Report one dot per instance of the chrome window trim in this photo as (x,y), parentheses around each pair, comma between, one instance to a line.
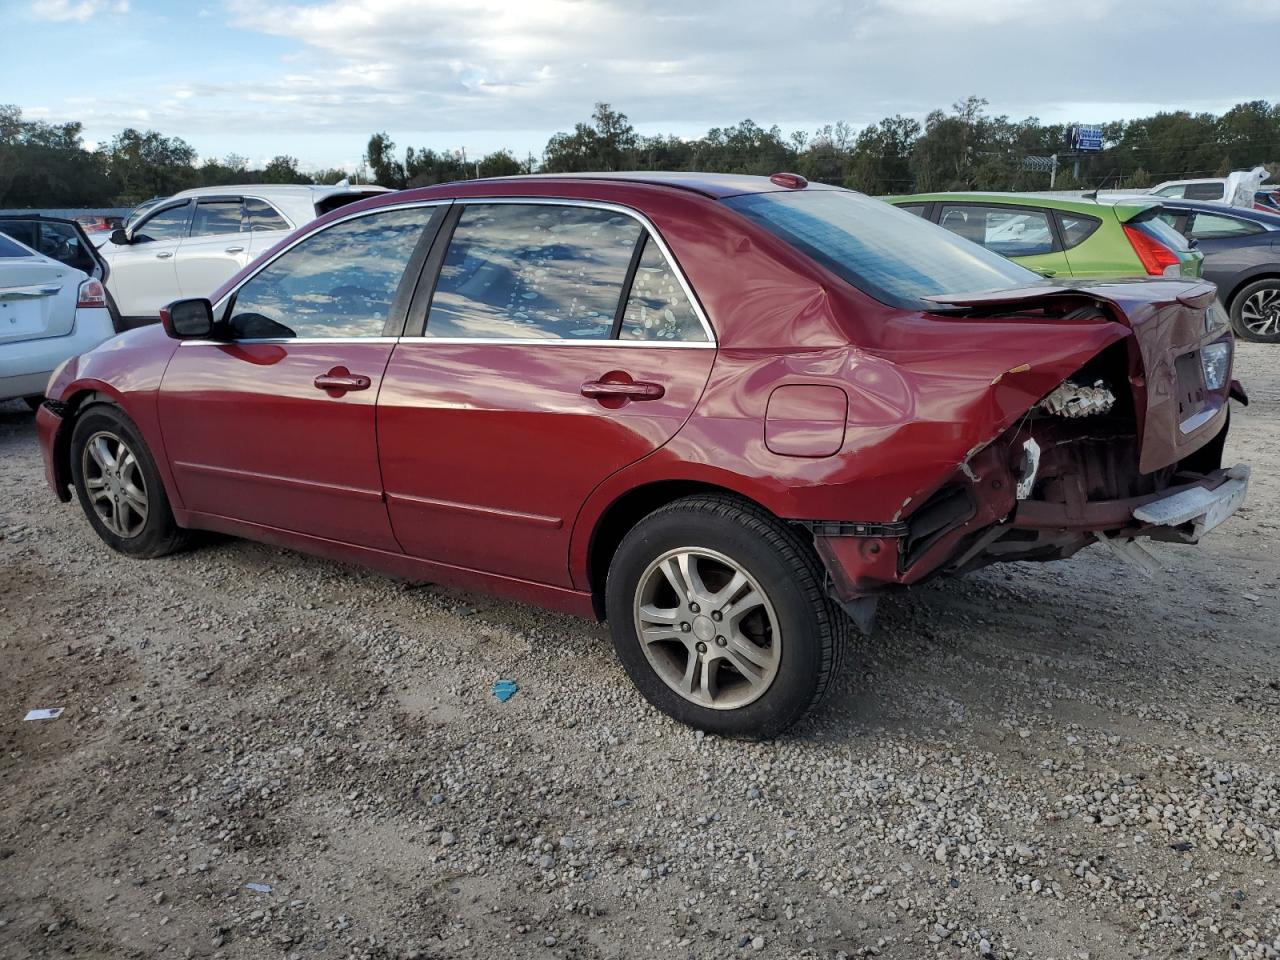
(645,224)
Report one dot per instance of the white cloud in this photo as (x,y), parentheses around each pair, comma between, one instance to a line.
(80,10)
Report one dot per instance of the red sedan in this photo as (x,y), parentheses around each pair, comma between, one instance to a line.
(724,412)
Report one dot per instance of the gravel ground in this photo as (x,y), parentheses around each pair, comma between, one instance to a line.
(1056,761)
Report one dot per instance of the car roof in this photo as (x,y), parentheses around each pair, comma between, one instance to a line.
(716,185)
(312,191)
(1054,200)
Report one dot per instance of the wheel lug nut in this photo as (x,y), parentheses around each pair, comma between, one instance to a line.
(685,627)
(702,647)
(693,608)
(721,642)
(717,616)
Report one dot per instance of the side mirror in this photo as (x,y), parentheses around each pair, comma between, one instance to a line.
(188,319)
(118,236)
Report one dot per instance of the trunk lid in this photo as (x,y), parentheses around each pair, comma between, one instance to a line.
(1171,322)
(37,299)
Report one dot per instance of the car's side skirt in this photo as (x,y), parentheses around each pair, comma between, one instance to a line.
(574,602)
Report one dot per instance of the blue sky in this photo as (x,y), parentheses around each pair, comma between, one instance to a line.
(314,79)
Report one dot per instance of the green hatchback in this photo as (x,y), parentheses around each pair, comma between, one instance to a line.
(1064,236)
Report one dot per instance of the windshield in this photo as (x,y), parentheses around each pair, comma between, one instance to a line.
(891,254)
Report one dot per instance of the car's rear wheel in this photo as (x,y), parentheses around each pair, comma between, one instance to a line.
(718,614)
(1255,311)
(118,485)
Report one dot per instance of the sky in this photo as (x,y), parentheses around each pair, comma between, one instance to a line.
(314,79)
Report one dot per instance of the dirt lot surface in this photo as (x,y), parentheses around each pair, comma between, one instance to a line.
(1055,761)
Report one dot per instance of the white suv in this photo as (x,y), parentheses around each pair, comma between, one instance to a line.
(191,243)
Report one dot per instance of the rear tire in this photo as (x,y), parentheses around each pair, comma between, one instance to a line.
(1255,311)
(119,487)
(719,616)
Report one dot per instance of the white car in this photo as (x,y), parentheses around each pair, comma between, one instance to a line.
(49,312)
(191,243)
(1236,189)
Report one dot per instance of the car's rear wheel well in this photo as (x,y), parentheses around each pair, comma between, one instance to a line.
(624,513)
(1229,300)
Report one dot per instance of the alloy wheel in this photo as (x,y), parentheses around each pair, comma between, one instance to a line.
(1260,314)
(115,485)
(707,628)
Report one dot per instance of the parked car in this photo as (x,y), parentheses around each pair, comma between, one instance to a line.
(49,312)
(1268,201)
(1063,236)
(1237,189)
(191,243)
(1241,255)
(721,411)
(99,223)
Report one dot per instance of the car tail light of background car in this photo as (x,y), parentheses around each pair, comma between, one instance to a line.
(1157,259)
(92,294)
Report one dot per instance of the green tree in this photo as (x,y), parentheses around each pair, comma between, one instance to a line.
(604,144)
(143,165)
(380,156)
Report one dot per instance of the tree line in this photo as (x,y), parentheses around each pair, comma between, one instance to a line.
(47,165)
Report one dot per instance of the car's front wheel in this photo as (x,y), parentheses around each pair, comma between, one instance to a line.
(119,487)
(718,614)
(1255,311)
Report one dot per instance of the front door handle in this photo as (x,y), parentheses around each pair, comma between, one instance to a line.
(235,250)
(164,254)
(339,380)
(620,389)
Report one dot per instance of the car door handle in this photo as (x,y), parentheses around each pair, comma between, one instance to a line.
(622,390)
(164,254)
(235,250)
(339,380)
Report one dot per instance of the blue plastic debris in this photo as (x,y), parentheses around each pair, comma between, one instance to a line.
(504,690)
(259,887)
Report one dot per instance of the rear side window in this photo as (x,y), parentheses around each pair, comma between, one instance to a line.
(885,252)
(216,216)
(10,249)
(168,224)
(1204,191)
(1171,191)
(260,215)
(1008,231)
(533,271)
(339,282)
(1076,228)
(1212,225)
(657,306)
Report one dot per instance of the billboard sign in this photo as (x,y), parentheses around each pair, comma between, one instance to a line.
(1086,138)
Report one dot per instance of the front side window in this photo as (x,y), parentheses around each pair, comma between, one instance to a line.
(260,215)
(533,271)
(887,253)
(216,216)
(167,224)
(657,307)
(339,282)
(1206,226)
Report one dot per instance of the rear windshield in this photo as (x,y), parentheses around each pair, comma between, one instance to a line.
(10,249)
(894,256)
(1150,222)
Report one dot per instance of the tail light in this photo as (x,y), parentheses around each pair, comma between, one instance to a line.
(1155,256)
(92,294)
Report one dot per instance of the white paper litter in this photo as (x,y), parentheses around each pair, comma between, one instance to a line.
(44,713)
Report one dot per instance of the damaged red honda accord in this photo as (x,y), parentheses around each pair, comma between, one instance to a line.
(724,412)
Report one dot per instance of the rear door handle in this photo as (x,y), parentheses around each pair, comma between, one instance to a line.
(339,380)
(164,254)
(622,390)
(235,250)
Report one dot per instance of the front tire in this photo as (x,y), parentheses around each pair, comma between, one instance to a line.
(119,487)
(718,614)
(1255,311)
